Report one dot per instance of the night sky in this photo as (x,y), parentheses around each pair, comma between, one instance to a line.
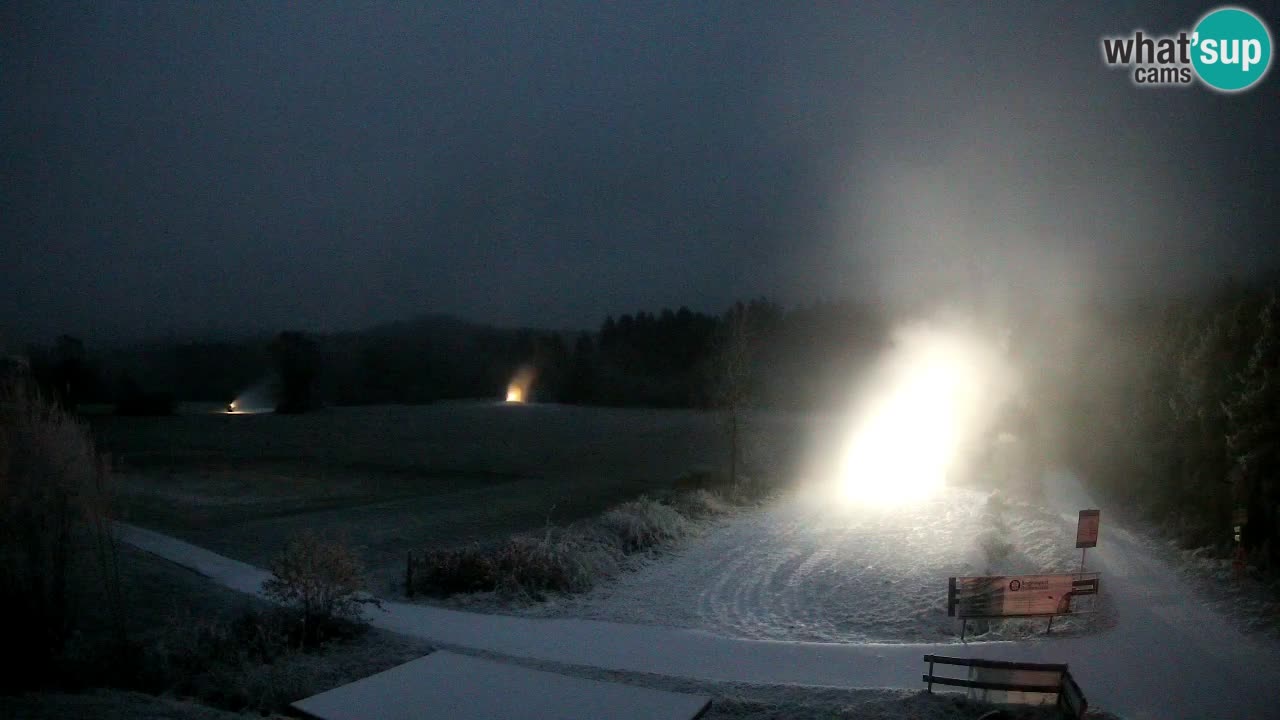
(220,167)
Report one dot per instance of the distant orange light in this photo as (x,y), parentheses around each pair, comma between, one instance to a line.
(519,386)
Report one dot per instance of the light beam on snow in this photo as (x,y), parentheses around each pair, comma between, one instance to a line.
(928,401)
(258,398)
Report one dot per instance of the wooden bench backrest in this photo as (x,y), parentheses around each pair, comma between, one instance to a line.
(1019,682)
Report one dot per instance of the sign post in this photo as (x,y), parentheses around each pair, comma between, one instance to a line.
(1004,596)
(1239,518)
(1087,532)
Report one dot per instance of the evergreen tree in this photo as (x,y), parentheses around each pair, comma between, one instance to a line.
(1254,436)
(297,360)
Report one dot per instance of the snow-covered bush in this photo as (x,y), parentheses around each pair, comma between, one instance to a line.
(565,560)
(448,571)
(745,490)
(643,524)
(518,566)
(534,567)
(322,579)
(702,503)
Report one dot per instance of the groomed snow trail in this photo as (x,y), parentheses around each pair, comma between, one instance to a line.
(1169,656)
(803,569)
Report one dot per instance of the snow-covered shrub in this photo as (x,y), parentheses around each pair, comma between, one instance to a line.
(517,566)
(534,567)
(746,490)
(702,503)
(448,571)
(643,524)
(322,579)
(565,560)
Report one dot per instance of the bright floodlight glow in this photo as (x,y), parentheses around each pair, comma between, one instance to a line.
(257,398)
(521,384)
(928,400)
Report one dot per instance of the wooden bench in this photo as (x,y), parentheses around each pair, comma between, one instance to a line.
(1014,683)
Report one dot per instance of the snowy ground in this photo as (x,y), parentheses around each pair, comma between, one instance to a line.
(1168,656)
(107,705)
(798,569)
(396,479)
(1250,602)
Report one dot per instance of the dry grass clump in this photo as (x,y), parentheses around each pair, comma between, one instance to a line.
(731,491)
(571,559)
(56,548)
(535,567)
(701,504)
(448,571)
(642,524)
(517,566)
(567,560)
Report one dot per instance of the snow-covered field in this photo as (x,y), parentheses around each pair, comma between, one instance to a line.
(1168,655)
(744,601)
(395,479)
(802,568)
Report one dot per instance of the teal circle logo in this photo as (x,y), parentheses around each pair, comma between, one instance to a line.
(1231,49)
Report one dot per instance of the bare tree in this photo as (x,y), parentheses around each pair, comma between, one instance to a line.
(322,578)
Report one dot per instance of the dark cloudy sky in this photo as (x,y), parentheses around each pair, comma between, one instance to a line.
(178,167)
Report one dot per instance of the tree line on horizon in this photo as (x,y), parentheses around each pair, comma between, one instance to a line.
(670,358)
(1170,408)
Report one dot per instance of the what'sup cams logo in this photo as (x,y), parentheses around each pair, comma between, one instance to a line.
(1229,50)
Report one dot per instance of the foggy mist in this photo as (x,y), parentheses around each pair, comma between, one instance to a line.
(198,170)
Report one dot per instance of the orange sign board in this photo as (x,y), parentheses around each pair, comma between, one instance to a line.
(1087,529)
(1017,595)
